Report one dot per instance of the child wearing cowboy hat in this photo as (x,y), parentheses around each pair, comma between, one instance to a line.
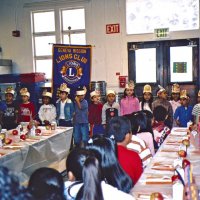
(183,113)
(162,101)
(9,118)
(81,128)
(129,103)
(47,111)
(26,108)
(64,107)
(94,116)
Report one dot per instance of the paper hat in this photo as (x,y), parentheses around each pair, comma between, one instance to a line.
(176,88)
(199,93)
(147,88)
(47,94)
(110,92)
(81,90)
(130,85)
(161,89)
(183,94)
(94,93)
(24,92)
(9,90)
(64,88)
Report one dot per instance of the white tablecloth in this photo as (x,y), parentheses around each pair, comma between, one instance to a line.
(34,154)
(165,157)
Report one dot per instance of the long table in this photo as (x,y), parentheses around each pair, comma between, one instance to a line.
(157,175)
(40,151)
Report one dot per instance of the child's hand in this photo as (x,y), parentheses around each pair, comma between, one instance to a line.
(77,99)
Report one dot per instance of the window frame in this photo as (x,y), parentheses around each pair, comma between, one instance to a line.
(58,33)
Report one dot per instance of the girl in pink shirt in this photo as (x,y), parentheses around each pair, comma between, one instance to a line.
(129,103)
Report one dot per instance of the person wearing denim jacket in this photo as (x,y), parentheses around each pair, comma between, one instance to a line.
(64,107)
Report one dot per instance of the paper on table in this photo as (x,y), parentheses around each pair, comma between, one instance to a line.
(164,167)
(153,179)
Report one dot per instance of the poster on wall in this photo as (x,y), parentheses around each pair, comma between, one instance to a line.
(181,64)
(71,65)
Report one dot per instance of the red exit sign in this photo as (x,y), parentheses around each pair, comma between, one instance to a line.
(112,28)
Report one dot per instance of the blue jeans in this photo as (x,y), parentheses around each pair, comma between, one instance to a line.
(81,133)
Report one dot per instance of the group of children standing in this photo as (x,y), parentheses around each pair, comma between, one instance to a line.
(93,118)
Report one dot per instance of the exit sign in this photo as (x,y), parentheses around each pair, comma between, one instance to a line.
(161,32)
(112,28)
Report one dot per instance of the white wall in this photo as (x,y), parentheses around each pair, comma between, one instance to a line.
(110,51)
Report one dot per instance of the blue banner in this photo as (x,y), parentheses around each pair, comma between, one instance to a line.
(71,65)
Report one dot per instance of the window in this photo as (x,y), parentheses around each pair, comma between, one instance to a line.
(45,34)
(144,16)
(145,65)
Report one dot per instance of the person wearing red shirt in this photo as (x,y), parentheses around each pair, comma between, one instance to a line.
(26,108)
(94,116)
(120,129)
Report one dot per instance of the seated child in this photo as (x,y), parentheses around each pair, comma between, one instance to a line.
(142,140)
(26,108)
(47,112)
(9,119)
(94,116)
(46,183)
(84,178)
(183,113)
(160,130)
(120,129)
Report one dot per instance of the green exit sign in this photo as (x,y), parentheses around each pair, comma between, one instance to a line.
(161,32)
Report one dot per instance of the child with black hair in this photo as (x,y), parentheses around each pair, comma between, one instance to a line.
(129,103)
(47,111)
(10,188)
(81,124)
(120,128)
(139,128)
(26,108)
(183,113)
(110,108)
(175,99)
(162,101)
(10,114)
(147,99)
(94,116)
(105,151)
(64,107)
(46,184)
(85,179)
(160,130)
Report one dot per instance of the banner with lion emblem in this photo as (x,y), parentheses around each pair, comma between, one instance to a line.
(71,65)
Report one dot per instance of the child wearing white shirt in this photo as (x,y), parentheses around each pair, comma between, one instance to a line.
(47,112)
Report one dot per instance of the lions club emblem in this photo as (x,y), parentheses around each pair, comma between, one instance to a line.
(71,72)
